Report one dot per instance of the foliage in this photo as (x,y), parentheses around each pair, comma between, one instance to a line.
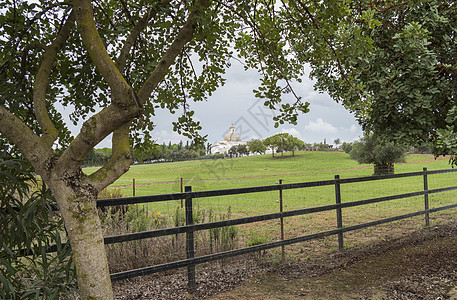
(403,86)
(256,238)
(256,146)
(347,147)
(97,157)
(30,225)
(374,150)
(171,152)
(238,150)
(223,238)
(293,144)
(283,142)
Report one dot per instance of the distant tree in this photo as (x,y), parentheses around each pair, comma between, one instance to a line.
(182,154)
(283,142)
(256,146)
(381,153)
(307,146)
(272,143)
(164,152)
(337,142)
(276,142)
(321,146)
(243,150)
(347,147)
(293,143)
(97,157)
(233,151)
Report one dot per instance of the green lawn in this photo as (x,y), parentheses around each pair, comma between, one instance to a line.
(304,167)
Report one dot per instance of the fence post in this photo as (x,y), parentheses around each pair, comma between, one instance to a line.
(190,251)
(283,255)
(181,192)
(133,188)
(427,215)
(339,216)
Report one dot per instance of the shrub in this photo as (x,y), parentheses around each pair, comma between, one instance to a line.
(30,225)
(383,154)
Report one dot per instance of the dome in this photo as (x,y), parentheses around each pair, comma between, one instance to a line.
(232,136)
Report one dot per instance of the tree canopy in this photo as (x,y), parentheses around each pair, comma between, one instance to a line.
(403,85)
(373,150)
(256,146)
(283,142)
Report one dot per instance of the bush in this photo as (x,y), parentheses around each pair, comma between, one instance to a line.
(30,225)
(383,154)
(347,147)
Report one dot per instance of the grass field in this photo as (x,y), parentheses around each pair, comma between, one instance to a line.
(264,170)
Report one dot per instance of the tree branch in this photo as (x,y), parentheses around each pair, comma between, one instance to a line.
(84,14)
(119,162)
(135,33)
(184,36)
(26,140)
(49,131)
(95,130)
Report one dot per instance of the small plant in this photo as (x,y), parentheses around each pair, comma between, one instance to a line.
(223,238)
(30,225)
(110,193)
(179,217)
(256,238)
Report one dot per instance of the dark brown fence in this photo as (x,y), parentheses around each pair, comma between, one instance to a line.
(190,228)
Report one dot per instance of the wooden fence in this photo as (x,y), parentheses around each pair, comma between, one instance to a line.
(190,227)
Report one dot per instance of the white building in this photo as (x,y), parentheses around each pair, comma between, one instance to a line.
(230,140)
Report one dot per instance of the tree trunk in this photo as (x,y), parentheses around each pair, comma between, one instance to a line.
(383,169)
(79,212)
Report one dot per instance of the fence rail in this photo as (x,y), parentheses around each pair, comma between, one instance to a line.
(190,228)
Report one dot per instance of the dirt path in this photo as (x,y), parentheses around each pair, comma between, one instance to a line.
(412,264)
(422,265)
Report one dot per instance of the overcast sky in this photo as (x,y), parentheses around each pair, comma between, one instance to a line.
(234,103)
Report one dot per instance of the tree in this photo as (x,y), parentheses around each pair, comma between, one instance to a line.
(273,143)
(403,86)
(114,63)
(97,157)
(283,142)
(337,142)
(347,147)
(243,150)
(233,151)
(256,146)
(381,153)
(293,144)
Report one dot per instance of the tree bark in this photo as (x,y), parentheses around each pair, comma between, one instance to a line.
(77,205)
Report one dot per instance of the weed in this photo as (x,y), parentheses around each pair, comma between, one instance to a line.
(256,238)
